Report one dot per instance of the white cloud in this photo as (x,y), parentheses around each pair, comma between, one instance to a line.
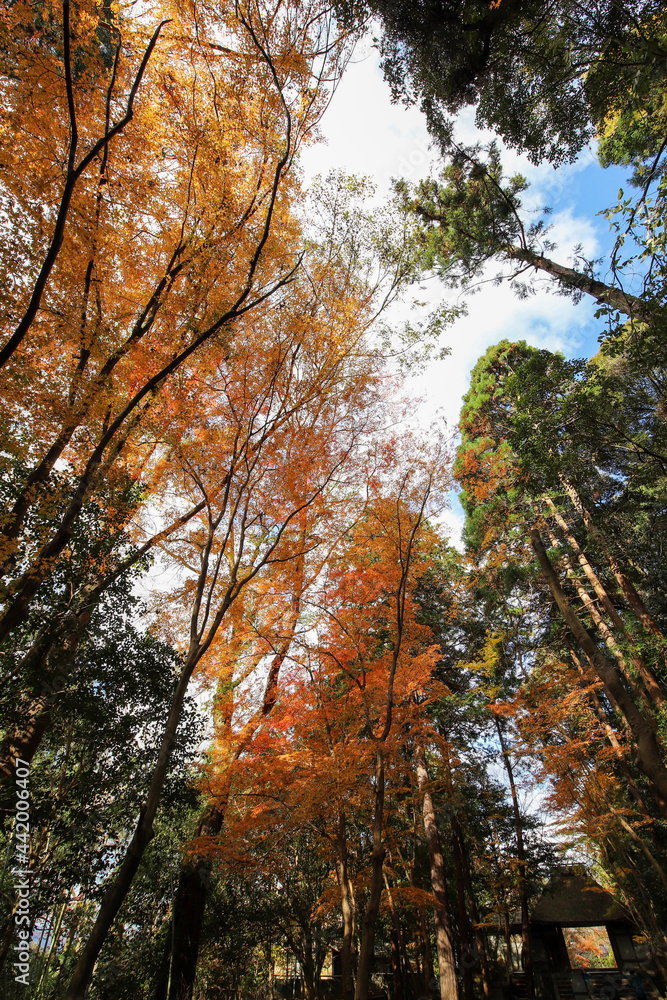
(367,134)
(547,321)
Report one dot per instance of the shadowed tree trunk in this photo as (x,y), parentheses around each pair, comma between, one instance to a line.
(367,945)
(308,966)
(526,944)
(396,966)
(650,693)
(468,959)
(427,962)
(52,658)
(143,834)
(179,966)
(649,757)
(457,832)
(633,600)
(443,925)
(402,965)
(348,909)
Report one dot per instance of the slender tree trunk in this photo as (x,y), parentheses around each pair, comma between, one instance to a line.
(55,940)
(396,965)
(649,757)
(526,949)
(320,954)
(308,966)
(347,907)
(633,788)
(635,602)
(577,281)
(467,951)
(480,941)
(508,940)
(443,925)
(403,964)
(143,834)
(179,966)
(366,946)
(645,915)
(195,876)
(66,953)
(74,172)
(7,938)
(651,689)
(640,842)
(606,633)
(633,599)
(582,559)
(24,737)
(427,960)
(423,987)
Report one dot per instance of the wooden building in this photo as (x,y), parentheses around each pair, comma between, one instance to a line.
(585,946)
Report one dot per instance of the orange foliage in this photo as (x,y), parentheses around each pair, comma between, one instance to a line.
(154,243)
(361,661)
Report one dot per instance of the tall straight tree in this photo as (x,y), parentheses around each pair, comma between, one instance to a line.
(530,488)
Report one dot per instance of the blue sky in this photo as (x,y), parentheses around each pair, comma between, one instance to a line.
(365,134)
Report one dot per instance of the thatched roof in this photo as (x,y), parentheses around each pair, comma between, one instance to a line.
(575,900)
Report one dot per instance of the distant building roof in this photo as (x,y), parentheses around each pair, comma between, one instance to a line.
(575,900)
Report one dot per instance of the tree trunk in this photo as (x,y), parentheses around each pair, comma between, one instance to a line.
(179,966)
(604,631)
(347,907)
(143,834)
(399,992)
(526,944)
(24,737)
(443,925)
(467,952)
(22,740)
(649,758)
(366,947)
(480,941)
(582,559)
(508,940)
(633,788)
(605,294)
(308,966)
(7,939)
(427,961)
(633,599)
(403,965)
(652,689)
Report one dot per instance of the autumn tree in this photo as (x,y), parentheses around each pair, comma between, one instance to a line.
(126,323)
(282,416)
(343,738)
(317,385)
(375,673)
(566,484)
(487,630)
